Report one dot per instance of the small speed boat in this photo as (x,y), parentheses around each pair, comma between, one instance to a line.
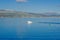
(29,22)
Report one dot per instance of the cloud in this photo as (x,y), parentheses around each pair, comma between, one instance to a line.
(21,0)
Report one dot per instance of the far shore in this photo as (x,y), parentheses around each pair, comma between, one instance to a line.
(28,17)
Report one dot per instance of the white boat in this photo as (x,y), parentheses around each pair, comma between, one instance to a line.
(29,22)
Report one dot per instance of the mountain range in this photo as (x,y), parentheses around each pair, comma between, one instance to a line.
(13,13)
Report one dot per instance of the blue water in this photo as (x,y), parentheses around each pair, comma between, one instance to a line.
(40,29)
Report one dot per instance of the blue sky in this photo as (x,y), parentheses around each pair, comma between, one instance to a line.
(34,6)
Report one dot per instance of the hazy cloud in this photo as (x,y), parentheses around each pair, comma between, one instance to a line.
(21,0)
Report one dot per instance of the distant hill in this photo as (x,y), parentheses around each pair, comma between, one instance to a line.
(12,13)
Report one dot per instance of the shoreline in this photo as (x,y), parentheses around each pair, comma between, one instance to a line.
(29,17)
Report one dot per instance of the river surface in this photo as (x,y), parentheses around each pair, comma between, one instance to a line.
(40,29)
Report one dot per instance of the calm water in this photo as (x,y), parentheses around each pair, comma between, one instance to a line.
(18,29)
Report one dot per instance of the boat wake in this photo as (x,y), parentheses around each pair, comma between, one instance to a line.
(50,22)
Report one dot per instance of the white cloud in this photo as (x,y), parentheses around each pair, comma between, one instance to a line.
(21,0)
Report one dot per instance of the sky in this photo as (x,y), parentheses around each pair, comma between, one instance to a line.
(33,6)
